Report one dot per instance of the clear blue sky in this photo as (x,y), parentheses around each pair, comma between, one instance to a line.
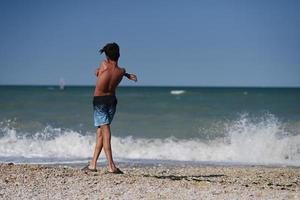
(189,43)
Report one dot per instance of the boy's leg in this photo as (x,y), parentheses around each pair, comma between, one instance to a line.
(107,147)
(98,148)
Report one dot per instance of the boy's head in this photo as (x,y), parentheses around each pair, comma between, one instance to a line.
(112,51)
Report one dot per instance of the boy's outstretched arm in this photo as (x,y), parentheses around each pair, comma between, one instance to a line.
(131,76)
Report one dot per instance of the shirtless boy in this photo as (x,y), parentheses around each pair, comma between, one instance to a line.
(109,76)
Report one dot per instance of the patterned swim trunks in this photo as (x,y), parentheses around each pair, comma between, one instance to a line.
(104,109)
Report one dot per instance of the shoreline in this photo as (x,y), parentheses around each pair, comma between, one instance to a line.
(155,162)
(140,181)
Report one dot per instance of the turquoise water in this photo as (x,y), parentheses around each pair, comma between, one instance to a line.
(46,124)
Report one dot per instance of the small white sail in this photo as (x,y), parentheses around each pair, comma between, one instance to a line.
(61,84)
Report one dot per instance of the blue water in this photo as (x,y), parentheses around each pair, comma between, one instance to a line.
(246,125)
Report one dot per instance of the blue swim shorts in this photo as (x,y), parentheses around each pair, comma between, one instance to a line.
(104,109)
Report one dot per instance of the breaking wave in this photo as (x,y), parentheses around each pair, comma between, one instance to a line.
(264,142)
(177,92)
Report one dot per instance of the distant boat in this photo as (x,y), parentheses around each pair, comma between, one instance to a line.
(177,92)
(61,84)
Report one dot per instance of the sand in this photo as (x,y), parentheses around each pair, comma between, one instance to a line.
(27,181)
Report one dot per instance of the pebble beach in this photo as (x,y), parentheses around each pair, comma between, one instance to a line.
(28,181)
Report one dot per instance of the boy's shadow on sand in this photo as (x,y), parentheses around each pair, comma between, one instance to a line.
(188,178)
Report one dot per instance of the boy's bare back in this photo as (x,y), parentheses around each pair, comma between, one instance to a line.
(109,76)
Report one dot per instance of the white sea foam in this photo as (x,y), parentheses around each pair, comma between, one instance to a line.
(177,92)
(265,142)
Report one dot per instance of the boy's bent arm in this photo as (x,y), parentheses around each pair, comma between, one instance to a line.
(102,67)
(97,72)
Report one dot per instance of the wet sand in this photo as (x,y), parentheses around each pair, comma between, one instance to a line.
(26,181)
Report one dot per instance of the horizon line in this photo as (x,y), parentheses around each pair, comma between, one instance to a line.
(180,86)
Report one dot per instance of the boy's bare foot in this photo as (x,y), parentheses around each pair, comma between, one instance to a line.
(115,171)
(89,168)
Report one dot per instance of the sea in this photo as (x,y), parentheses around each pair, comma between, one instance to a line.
(214,125)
